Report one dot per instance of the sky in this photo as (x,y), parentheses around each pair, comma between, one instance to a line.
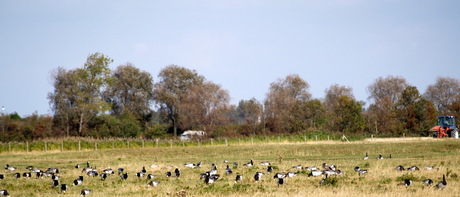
(243,45)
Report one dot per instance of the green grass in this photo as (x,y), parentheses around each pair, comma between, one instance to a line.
(382,179)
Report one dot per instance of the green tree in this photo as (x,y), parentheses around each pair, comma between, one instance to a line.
(348,115)
(283,104)
(171,90)
(131,91)
(250,113)
(77,97)
(415,112)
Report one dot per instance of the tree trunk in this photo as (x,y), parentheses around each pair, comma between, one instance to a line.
(80,128)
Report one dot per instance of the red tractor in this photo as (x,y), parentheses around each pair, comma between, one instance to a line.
(446,127)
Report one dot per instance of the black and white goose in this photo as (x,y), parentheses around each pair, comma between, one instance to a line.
(77,166)
(85,192)
(291,174)
(53,170)
(356,169)
(124,176)
(143,170)
(190,165)
(269,169)
(310,168)
(153,183)
(120,171)
(150,176)
(2,176)
(251,163)
(228,170)
(9,168)
(78,181)
(279,175)
(297,167)
(265,163)
(17,175)
(108,171)
(408,182)
(258,176)
(4,193)
(55,177)
(443,183)
(168,174)
(400,168)
(280,181)
(92,173)
(413,168)
(63,188)
(177,172)
(103,176)
(139,175)
(26,175)
(315,173)
(362,172)
(366,157)
(380,157)
(211,178)
(427,182)
(238,178)
(55,183)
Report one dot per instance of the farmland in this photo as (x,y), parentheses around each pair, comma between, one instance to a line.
(382,178)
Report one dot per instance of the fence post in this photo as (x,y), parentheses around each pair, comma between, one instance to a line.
(113,145)
(252,140)
(79,145)
(46,146)
(226,142)
(327,138)
(127,143)
(95,146)
(304,138)
(9,146)
(62,145)
(198,142)
(156,142)
(316,137)
(170,143)
(27,146)
(183,143)
(279,140)
(143,144)
(238,141)
(212,140)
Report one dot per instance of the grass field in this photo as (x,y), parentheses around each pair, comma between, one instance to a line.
(381,180)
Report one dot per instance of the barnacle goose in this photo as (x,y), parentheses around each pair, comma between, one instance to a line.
(238,178)
(103,176)
(85,192)
(366,157)
(427,182)
(4,193)
(443,183)
(153,183)
(63,188)
(258,176)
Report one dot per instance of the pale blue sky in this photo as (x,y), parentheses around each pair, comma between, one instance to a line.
(243,45)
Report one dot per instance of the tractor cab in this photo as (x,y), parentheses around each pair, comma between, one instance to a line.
(447,122)
(445,127)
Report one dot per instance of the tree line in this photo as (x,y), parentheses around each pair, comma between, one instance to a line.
(95,101)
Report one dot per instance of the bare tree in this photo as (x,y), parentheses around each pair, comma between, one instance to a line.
(390,87)
(443,93)
(250,112)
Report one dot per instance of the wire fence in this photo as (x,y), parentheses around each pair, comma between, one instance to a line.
(56,145)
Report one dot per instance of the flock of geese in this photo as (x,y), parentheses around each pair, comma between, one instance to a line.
(209,177)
